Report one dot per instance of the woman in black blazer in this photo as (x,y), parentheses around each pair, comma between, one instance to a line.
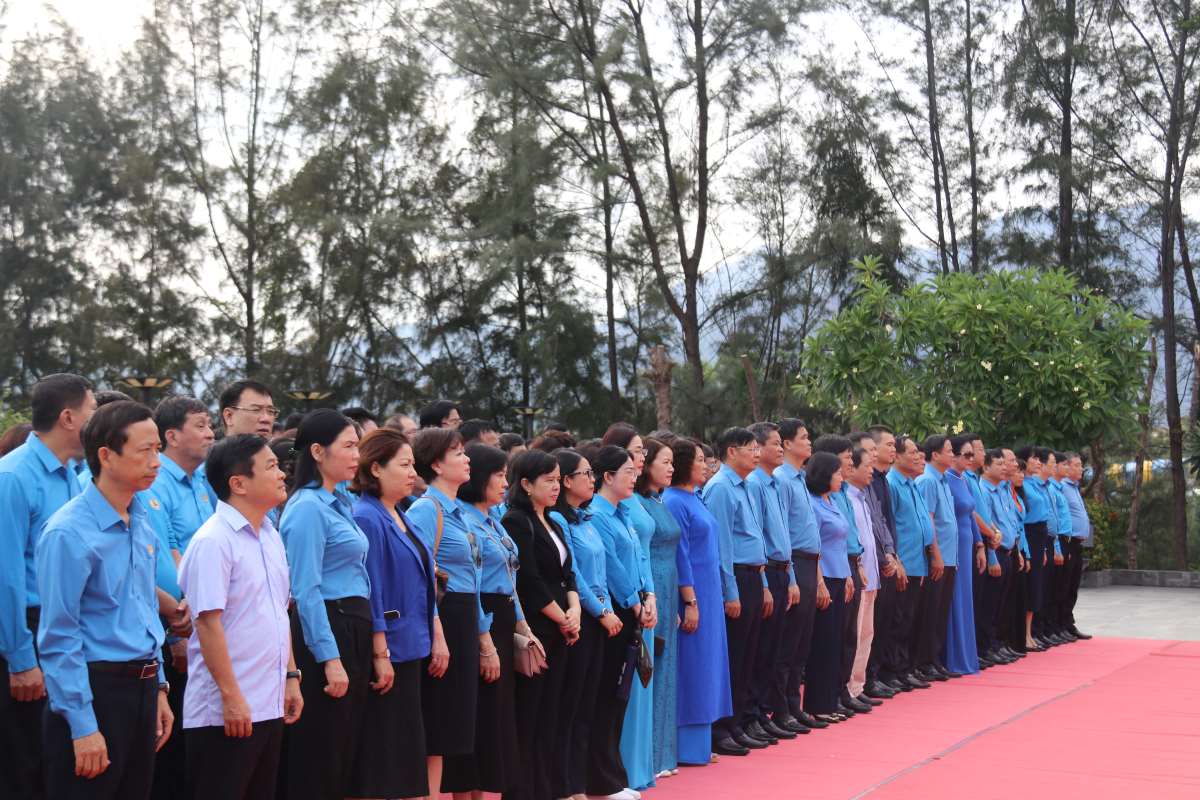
(546,588)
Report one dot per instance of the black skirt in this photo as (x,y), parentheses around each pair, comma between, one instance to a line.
(492,766)
(319,748)
(1038,536)
(390,761)
(448,703)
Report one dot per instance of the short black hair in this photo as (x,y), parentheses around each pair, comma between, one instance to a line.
(958,442)
(292,421)
(529,466)
(486,461)
(933,444)
(553,440)
(732,437)
(684,451)
(902,442)
(1024,452)
(106,396)
(359,414)
(55,393)
(762,431)
(233,393)
(475,428)
(605,459)
(819,472)
(172,412)
(877,429)
(430,445)
(1044,453)
(790,428)
(434,414)
(510,440)
(992,455)
(568,459)
(109,427)
(233,455)
(832,443)
(857,455)
(619,433)
(856,438)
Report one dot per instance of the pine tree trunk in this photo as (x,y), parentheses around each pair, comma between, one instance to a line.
(1135,499)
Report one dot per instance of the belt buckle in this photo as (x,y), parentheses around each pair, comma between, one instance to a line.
(149,670)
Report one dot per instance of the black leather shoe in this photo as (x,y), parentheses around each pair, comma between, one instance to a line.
(986,660)
(749,742)
(862,698)
(778,731)
(1070,637)
(805,718)
(878,691)
(898,685)
(853,704)
(830,719)
(845,710)
(930,675)
(1013,654)
(790,723)
(755,730)
(914,681)
(949,673)
(726,746)
(1075,632)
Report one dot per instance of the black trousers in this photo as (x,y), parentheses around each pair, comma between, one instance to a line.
(584,662)
(824,663)
(850,631)
(885,610)
(606,771)
(1074,576)
(899,659)
(21,768)
(741,636)
(539,700)
(992,595)
(923,626)
(170,762)
(233,769)
(1017,604)
(797,636)
(764,680)
(126,714)
(1047,618)
(941,596)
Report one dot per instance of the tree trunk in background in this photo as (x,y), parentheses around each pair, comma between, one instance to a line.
(752,388)
(1135,499)
(659,375)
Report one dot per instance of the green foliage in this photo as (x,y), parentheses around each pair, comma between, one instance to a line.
(1109,525)
(1024,356)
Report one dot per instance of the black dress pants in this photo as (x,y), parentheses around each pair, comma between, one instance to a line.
(170,762)
(584,662)
(941,598)
(885,610)
(764,680)
(821,688)
(231,768)
(742,639)
(539,700)
(850,631)
(1074,576)
(797,635)
(924,636)
(126,711)
(606,772)
(991,591)
(21,768)
(899,660)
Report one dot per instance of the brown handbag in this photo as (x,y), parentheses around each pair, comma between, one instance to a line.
(440,576)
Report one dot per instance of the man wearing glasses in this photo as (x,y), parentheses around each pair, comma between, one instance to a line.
(247,407)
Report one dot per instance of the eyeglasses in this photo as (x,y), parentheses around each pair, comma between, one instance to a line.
(753,447)
(968,453)
(589,473)
(476,550)
(270,411)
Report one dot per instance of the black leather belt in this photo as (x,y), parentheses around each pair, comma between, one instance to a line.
(755,568)
(142,669)
(779,565)
(804,555)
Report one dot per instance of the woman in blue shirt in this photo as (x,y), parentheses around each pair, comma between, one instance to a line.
(823,476)
(492,766)
(449,700)
(391,754)
(664,570)
(638,733)
(598,621)
(331,620)
(1037,532)
(703,668)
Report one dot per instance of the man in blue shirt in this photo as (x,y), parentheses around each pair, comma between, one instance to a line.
(893,578)
(805,537)
(766,692)
(1081,531)
(917,548)
(36,479)
(1060,575)
(996,585)
(180,500)
(933,615)
(744,583)
(100,633)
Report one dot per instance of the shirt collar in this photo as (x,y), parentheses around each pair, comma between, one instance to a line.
(173,468)
(764,476)
(438,496)
(854,492)
(238,522)
(932,472)
(49,461)
(788,470)
(730,475)
(899,476)
(103,510)
(1071,483)
(601,505)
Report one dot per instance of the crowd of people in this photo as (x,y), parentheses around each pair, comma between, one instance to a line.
(330,607)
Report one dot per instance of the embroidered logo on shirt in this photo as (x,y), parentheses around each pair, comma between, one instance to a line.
(155,504)
(150,549)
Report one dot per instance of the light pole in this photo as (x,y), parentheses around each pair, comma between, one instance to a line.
(146,385)
(527,414)
(308,397)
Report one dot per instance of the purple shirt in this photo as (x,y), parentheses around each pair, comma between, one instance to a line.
(228,566)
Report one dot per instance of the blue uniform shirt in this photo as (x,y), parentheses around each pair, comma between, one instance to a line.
(1037,502)
(327,555)
(802,524)
(33,485)
(587,561)
(853,545)
(1017,509)
(998,501)
(1061,512)
(459,554)
(739,528)
(764,489)
(500,557)
(187,501)
(1081,524)
(940,502)
(834,526)
(96,581)
(914,530)
(622,551)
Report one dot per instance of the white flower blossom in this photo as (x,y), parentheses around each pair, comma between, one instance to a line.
(986,365)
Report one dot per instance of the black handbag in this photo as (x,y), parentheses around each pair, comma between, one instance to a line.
(629,667)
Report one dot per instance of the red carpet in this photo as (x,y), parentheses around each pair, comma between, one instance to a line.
(1105,718)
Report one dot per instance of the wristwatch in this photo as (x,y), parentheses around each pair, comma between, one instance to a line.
(292,673)
(385,654)
(691,602)
(165,687)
